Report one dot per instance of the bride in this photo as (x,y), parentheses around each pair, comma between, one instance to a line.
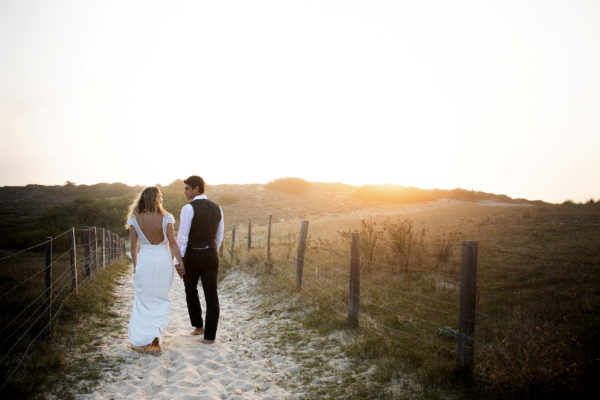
(152,268)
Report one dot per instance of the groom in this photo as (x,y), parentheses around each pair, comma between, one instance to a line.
(199,238)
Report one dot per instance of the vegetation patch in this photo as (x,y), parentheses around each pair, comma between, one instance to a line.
(536,329)
(68,362)
(290,185)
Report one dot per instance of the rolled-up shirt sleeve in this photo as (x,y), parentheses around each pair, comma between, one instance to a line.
(220,230)
(185,222)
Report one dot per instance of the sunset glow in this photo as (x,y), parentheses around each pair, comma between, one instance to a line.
(495,96)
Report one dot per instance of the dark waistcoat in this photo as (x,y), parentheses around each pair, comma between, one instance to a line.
(203,231)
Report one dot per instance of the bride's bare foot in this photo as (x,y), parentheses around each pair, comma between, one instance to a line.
(198,331)
(154,346)
(206,341)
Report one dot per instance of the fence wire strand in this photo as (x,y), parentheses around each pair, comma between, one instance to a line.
(547,259)
(84,265)
(23,282)
(40,306)
(47,326)
(24,250)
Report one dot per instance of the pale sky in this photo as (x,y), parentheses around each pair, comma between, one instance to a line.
(498,96)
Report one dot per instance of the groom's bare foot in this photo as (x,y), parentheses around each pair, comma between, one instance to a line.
(206,341)
(198,331)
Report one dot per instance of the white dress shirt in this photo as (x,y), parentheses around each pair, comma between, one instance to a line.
(185,223)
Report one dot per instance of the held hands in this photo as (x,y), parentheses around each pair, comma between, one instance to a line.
(180,269)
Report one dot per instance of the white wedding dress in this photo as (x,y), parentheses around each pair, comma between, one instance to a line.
(152,281)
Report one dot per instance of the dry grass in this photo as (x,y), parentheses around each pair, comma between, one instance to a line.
(537,322)
(46,364)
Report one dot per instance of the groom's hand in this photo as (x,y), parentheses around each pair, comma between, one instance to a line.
(180,270)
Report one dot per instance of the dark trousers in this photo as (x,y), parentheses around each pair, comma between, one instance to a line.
(202,265)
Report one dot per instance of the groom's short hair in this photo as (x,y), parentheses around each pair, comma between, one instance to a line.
(195,181)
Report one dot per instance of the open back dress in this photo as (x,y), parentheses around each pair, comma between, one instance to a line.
(152,281)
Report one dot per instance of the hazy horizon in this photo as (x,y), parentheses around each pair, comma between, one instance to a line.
(495,96)
(274,179)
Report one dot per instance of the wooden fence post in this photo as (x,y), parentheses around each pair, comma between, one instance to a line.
(86,251)
(301,251)
(269,241)
(103,254)
(48,309)
(108,257)
(73,244)
(113,246)
(249,246)
(466,321)
(232,242)
(95,249)
(354,290)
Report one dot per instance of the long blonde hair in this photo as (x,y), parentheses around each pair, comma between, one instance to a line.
(147,201)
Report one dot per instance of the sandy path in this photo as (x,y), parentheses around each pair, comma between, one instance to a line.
(238,365)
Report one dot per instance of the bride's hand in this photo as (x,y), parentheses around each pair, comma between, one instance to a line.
(180,269)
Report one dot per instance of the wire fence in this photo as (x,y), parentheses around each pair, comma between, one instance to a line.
(412,289)
(35,284)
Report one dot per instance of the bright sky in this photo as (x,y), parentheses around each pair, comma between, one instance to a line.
(499,96)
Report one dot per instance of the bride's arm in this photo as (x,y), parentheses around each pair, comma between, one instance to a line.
(174,248)
(133,239)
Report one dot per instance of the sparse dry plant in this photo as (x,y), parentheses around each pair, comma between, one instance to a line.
(443,247)
(369,238)
(404,242)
